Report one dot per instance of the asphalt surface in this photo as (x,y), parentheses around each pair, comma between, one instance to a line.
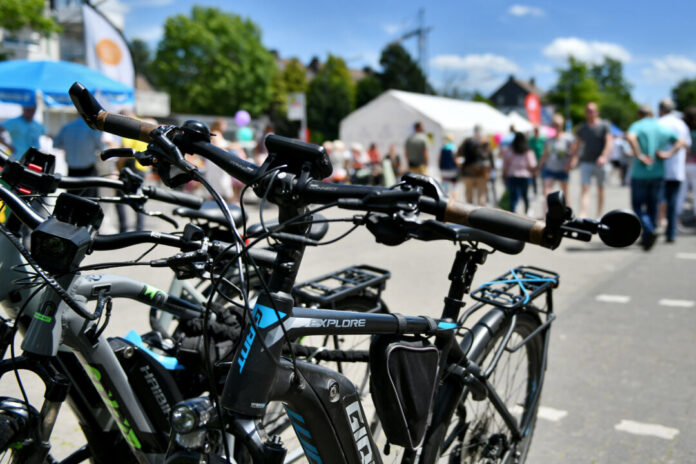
(621,381)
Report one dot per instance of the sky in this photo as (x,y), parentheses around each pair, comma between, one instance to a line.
(473,44)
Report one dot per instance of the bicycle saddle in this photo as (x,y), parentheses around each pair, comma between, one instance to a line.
(317,230)
(210,212)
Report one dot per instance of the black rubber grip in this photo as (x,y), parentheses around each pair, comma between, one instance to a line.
(126,239)
(173,197)
(124,126)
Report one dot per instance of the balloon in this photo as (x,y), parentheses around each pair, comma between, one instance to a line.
(245,134)
(242,118)
(498,137)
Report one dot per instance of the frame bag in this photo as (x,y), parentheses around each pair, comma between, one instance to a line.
(403,380)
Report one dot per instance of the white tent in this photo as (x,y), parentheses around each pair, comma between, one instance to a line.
(521,123)
(389,119)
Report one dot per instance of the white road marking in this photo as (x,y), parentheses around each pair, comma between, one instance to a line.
(686,255)
(549,414)
(653,430)
(553,415)
(678,303)
(613,298)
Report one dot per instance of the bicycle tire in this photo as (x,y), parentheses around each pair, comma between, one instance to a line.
(476,432)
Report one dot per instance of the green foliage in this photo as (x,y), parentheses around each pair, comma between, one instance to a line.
(330,97)
(479,97)
(17,14)
(293,78)
(575,85)
(615,104)
(213,62)
(400,71)
(684,94)
(142,58)
(367,89)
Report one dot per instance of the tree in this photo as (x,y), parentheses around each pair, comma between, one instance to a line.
(213,62)
(616,103)
(684,94)
(367,89)
(330,97)
(142,58)
(18,14)
(292,78)
(400,71)
(574,88)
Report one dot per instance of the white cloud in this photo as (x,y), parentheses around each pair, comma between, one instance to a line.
(153,34)
(392,29)
(588,51)
(525,10)
(480,72)
(670,68)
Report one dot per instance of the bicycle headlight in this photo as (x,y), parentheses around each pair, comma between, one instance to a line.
(191,415)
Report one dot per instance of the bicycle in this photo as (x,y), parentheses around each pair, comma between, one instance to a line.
(323,406)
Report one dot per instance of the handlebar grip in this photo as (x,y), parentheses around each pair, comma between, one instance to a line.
(499,222)
(79,183)
(174,197)
(97,117)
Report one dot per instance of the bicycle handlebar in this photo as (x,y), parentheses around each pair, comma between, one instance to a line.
(172,196)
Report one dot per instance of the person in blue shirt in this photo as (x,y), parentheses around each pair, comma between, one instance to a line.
(648,140)
(24,131)
(82,145)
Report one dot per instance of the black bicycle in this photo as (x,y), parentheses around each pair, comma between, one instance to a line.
(424,371)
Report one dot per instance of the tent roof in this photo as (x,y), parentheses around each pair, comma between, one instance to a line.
(452,114)
(521,123)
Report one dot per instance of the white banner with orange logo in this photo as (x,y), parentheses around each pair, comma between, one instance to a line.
(106,49)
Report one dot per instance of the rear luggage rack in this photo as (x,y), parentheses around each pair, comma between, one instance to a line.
(331,288)
(516,288)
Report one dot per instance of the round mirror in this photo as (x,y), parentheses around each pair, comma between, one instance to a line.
(620,228)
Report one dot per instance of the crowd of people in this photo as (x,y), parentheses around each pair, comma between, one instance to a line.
(655,157)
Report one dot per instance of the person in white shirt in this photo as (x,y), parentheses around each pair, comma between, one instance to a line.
(675,167)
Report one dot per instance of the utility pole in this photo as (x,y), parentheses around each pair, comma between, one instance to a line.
(422,33)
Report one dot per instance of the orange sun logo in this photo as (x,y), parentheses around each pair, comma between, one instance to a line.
(108,52)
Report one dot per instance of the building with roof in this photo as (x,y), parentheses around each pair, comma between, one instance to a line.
(510,96)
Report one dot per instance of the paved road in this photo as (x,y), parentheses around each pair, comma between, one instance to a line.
(621,383)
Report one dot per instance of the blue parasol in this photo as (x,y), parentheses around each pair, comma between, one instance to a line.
(20,80)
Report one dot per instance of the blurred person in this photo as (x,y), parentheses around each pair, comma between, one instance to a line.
(648,138)
(416,150)
(340,161)
(215,175)
(24,131)
(674,168)
(475,160)
(82,146)
(592,147)
(395,161)
(137,168)
(361,170)
(448,167)
(555,161)
(689,183)
(519,163)
(375,164)
(619,158)
(537,143)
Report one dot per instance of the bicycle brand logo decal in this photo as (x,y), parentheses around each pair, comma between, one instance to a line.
(263,317)
(311,451)
(108,397)
(342,323)
(42,317)
(357,424)
(154,294)
(156,390)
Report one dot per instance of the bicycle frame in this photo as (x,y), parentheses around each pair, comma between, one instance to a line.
(324,408)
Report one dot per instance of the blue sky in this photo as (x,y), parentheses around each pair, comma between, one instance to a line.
(474,44)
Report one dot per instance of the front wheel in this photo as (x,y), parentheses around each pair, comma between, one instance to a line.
(477,434)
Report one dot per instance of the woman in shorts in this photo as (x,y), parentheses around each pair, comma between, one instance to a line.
(555,162)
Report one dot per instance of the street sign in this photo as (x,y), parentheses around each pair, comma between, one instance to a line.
(296,106)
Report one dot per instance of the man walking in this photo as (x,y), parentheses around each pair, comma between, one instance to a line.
(596,139)
(417,150)
(82,145)
(24,131)
(648,138)
(675,166)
